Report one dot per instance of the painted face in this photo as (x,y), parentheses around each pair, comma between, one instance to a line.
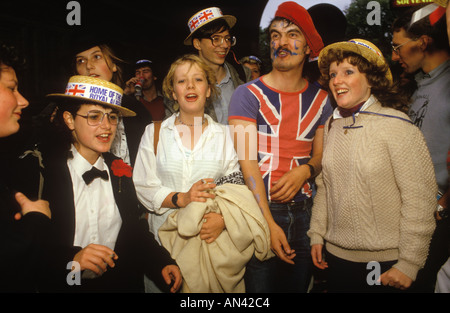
(211,54)
(11,102)
(191,88)
(254,70)
(91,141)
(146,74)
(288,46)
(92,62)
(348,85)
(409,55)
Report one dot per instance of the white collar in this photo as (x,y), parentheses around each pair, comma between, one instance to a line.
(81,165)
(368,103)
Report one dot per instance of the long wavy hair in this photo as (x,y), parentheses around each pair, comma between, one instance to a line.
(389,94)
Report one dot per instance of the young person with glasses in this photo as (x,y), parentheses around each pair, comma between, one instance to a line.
(422,49)
(98,241)
(211,37)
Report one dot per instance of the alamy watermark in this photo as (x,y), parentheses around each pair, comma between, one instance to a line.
(74,16)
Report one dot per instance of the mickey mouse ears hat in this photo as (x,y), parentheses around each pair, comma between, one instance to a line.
(298,15)
(90,90)
(205,16)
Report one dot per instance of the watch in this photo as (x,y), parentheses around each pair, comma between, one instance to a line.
(311,169)
(175,200)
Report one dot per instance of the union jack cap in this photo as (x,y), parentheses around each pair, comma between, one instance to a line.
(205,16)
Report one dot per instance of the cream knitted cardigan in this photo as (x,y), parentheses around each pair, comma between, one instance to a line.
(376,192)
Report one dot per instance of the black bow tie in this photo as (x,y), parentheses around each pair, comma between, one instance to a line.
(93,173)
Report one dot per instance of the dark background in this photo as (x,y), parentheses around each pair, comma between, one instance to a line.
(136,29)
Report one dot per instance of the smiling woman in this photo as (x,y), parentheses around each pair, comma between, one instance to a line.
(97,221)
(11,101)
(369,135)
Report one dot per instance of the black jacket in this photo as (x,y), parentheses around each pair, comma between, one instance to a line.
(136,247)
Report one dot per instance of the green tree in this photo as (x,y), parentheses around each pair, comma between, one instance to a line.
(264,50)
(358,26)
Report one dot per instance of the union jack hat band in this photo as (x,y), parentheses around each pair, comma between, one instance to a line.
(90,90)
(205,16)
(362,47)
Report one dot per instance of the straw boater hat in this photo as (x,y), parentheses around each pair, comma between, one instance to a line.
(362,47)
(205,16)
(90,90)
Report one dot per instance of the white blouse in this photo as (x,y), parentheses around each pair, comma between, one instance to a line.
(176,168)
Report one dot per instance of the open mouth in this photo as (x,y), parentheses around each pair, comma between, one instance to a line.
(191,97)
(104,137)
(282,52)
(341,91)
(222,54)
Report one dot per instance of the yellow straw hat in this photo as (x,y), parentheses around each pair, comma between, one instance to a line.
(90,90)
(362,47)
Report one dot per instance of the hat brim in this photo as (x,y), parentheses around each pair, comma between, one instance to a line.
(230,19)
(351,47)
(123,111)
(366,53)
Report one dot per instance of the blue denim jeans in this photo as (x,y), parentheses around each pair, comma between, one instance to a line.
(275,275)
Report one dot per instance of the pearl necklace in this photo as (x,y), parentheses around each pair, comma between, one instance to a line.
(181,122)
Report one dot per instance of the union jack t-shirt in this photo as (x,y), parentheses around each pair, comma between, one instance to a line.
(286,124)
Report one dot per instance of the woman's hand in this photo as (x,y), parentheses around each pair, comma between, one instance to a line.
(96,258)
(198,192)
(28,206)
(213,225)
(171,274)
(395,278)
(317,257)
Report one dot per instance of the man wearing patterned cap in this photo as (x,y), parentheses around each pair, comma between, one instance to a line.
(210,36)
(279,117)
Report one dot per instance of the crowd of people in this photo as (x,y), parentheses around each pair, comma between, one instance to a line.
(230,179)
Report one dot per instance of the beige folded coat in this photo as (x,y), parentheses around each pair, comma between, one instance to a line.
(219,266)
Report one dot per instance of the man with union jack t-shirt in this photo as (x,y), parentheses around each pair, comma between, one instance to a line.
(278,123)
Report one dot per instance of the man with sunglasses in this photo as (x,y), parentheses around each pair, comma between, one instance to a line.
(211,37)
(422,49)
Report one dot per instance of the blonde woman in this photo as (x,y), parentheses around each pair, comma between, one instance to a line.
(193,152)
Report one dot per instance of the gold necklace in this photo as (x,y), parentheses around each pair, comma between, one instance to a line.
(181,122)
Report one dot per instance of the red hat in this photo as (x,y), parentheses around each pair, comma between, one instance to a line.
(298,15)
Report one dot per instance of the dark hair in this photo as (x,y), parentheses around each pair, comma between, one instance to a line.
(110,57)
(10,57)
(211,28)
(277,19)
(437,32)
(389,94)
(64,134)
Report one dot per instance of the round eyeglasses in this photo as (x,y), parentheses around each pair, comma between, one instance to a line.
(95,118)
(218,40)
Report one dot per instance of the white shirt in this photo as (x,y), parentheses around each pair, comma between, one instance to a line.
(368,103)
(174,170)
(97,217)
